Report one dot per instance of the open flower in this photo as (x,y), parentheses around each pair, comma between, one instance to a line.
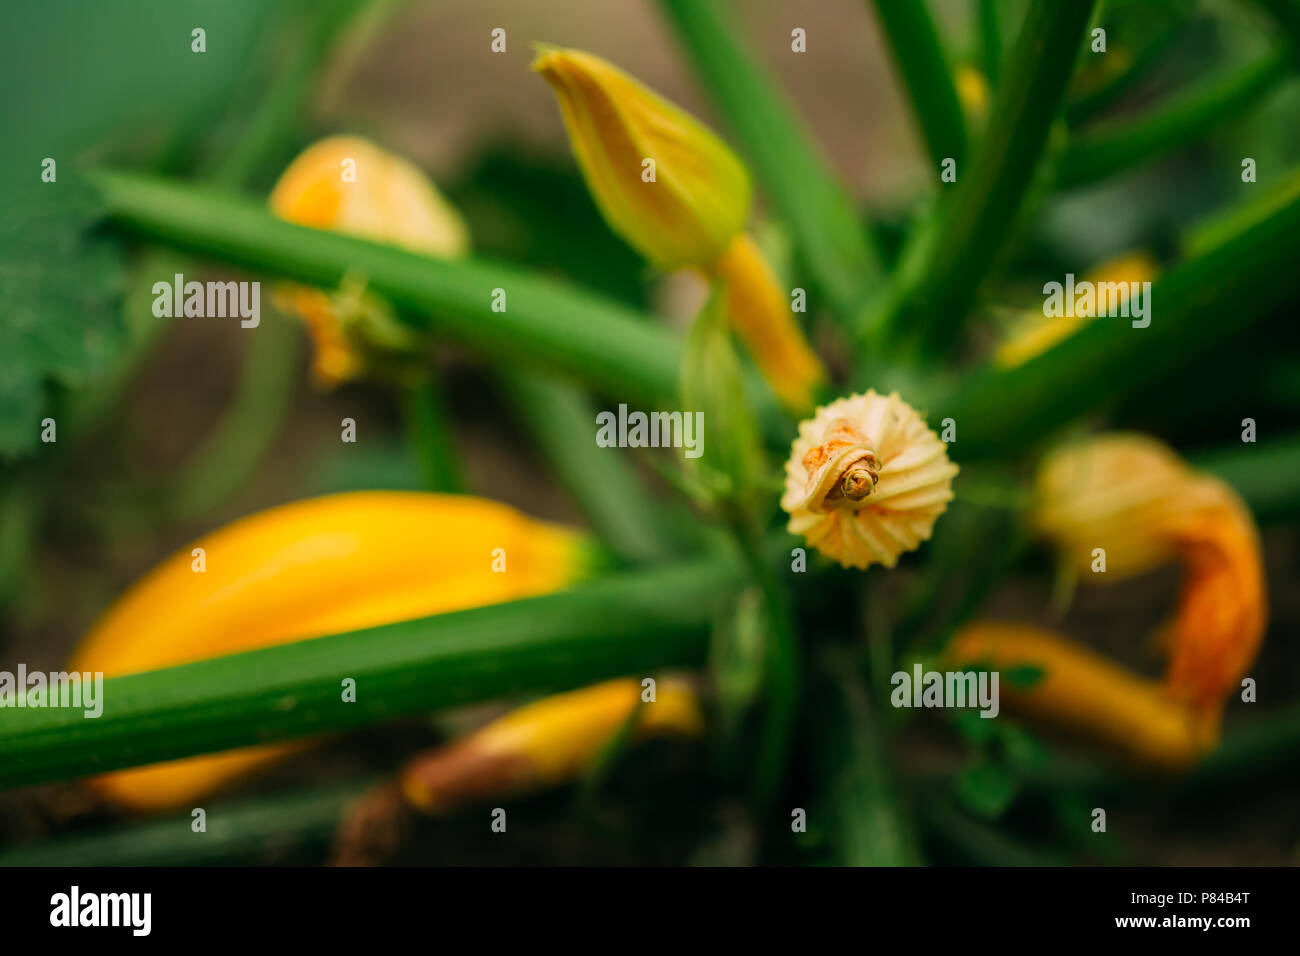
(320,566)
(678,195)
(1143,506)
(866,480)
(349,185)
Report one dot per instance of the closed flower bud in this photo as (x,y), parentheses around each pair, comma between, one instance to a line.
(545,743)
(663,181)
(866,480)
(349,185)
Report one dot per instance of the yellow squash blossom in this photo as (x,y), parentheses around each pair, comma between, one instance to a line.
(546,743)
(349,185)
(1132,497)
(1034,333)
(320,566)
(866,480)
(679,196)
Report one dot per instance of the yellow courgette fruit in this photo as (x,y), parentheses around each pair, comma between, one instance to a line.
(320,566)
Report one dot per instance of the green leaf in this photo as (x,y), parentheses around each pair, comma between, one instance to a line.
(986,789)
(61,284)
(628,624)
(802,187)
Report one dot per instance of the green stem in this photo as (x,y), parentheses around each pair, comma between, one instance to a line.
(1118,146)
(927,77)
(240,831)
(1264,474)
(231,452)
(532,319)
(866,817)
(1195,306)
(626,624)
(802,186)
(939,290)
(780,673)
(429,433)
(602,481)
(990,39)
(1082,109)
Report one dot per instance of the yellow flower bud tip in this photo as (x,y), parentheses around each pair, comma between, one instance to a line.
(1035,333)
(547,742)
(347,184)
(1085,697)
(972,91)
(319,566)
(866,480)
(1131,502)
(662,180)
(760,314)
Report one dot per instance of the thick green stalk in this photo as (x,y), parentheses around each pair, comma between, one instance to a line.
(926,77)
(602,481)
(626,624)
(868,824)
(1194,307)
(1118,146)
(981,212)
(801,185)
(496,308)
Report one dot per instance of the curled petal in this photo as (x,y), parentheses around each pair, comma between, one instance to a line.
(1085,696)
(866,480)
(1144,506)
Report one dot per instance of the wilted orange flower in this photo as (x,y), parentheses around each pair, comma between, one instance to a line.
(1136,500)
